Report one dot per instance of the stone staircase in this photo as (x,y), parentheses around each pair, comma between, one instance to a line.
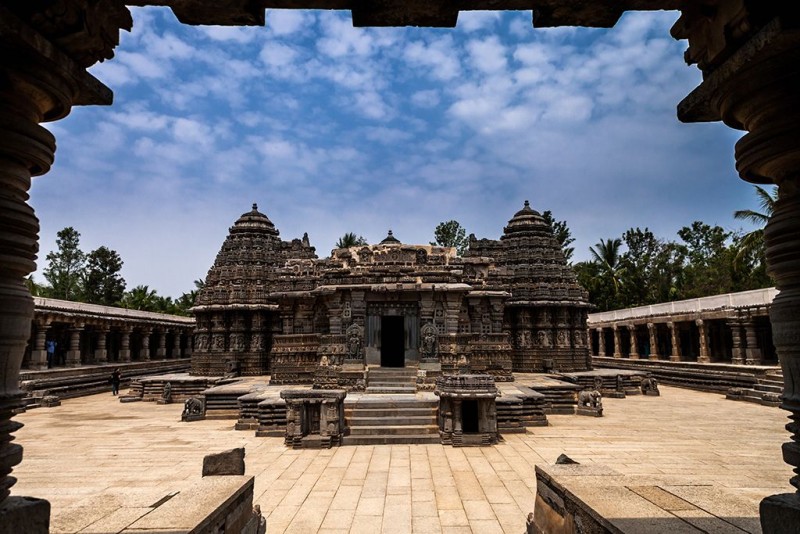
(384,419)
(391,380)
(767,390)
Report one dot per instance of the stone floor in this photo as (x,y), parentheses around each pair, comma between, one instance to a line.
(95,445)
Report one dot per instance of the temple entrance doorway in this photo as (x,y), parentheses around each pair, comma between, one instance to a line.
(392,341)
(469,416)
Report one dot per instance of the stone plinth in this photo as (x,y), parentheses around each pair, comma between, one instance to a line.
(467,410)
(314,418)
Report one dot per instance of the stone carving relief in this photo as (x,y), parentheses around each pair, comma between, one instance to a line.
(429,341)
(355,340)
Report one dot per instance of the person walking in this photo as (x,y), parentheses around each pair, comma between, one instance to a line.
(51,352)
(116,378)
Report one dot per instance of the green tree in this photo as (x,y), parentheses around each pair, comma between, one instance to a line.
(185,302)
(350,240)
(35,288)
(451,234)
(709,267)
(64,266)
(102,283)
(562,234)
(607,257)
(141,298)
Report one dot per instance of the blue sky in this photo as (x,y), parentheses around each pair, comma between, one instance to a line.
(334,129)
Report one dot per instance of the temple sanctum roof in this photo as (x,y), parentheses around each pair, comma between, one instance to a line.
(256,268)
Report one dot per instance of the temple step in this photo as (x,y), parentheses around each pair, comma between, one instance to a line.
(390,390)
(383,420)
(390,411)
(391,439)
(393,430)
(769,388)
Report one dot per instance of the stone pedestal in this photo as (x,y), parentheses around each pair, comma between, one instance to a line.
(314,418)
(24,515)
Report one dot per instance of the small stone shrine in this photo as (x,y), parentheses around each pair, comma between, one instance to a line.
(314,418)
(649,387)
(467,410)
(273,307)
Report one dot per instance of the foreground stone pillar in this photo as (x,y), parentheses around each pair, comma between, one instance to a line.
(617,343)
(101,352)
(74,352)
(675,338)
(749,57)
(653,332)
(753,354)
(634,355)
(39,353)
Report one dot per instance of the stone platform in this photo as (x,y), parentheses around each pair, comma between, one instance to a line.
(91,445)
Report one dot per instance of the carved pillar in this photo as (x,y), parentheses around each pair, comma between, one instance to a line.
(125,344)
(601,342)
(176,344)
(749,55)
(101,353)
(675,338)
(589,338)
(457,416)
(737,350)
(39,353)
(652,329)
(617,343)
(74,352)
(634,342)
(161,351)
(702,333)
(752,352)
(144,351)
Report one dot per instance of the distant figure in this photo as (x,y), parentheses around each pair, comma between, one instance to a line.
(51,352)
(116,378)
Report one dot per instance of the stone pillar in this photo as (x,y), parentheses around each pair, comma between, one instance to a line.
(187,352)
(589,340)
(702,332)
(752,352)
(144,351)
(39,353)
(634,342)
(737,350)
(749,60)
(125,344)
(74,352)
(675,338)
(652,330)
(617,343)
(161,351)
(457,416)
(176,344)
(101,353)
(601,343)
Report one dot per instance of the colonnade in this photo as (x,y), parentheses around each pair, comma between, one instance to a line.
(732,328)
(81,334)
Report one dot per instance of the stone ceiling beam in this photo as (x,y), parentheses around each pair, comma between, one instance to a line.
(436,13)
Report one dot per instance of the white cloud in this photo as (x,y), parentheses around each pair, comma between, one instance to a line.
(470,21)
(235,34)
(284,22)
(278,55)
(438,56)
(426,99)
(487,55)
(142,65)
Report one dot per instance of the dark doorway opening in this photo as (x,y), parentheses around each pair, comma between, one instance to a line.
(392,341)
(469,416)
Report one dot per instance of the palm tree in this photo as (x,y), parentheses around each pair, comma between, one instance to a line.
(607,257)
(141,298)
(752,243)
(350,240)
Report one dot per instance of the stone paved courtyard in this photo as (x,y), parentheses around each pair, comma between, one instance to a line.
(95,445)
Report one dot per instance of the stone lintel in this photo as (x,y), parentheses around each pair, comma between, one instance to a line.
(313,394)
(436,13)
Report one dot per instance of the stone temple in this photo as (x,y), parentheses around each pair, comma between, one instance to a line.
(272,307)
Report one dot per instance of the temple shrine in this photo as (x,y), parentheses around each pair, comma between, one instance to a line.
(272,307)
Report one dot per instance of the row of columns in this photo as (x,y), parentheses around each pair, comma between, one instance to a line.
(74,352)
(745,347)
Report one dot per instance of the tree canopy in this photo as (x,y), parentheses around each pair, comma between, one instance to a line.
(65,265)
(451,234)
